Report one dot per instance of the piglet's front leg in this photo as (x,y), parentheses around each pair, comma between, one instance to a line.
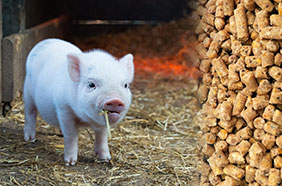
(101,144)
(70,132)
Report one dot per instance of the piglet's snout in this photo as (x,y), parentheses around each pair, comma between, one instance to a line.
(114,105)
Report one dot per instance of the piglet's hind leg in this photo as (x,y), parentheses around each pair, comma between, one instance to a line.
(30,111)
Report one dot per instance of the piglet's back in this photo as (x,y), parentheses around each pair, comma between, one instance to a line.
(49,52)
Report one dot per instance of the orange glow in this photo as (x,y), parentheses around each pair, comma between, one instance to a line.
(180,64)
(166,66)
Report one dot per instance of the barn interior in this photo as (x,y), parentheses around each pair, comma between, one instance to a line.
(157,143)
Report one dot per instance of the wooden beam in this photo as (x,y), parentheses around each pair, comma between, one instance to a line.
(15,49)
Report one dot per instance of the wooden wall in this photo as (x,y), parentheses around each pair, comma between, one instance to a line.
(25,23)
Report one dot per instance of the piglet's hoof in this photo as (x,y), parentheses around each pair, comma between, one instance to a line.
(103,155)
(29,138)
(71,162)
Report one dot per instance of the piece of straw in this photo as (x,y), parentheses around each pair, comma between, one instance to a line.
(108,124)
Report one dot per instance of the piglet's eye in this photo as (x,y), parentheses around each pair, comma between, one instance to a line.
(126,85)
(91,85)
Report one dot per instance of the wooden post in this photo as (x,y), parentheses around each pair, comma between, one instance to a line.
(15,49)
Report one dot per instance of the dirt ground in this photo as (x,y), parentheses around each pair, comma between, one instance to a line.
(156,144)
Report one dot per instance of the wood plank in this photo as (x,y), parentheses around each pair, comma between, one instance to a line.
(15,49)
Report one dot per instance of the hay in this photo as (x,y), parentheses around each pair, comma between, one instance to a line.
(156,144)
(107,122)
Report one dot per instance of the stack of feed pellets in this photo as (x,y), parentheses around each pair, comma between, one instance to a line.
(240,46)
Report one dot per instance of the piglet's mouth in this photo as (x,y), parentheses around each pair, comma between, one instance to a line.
(112,111)
(113,115)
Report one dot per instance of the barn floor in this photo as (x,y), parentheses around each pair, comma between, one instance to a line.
(156,144)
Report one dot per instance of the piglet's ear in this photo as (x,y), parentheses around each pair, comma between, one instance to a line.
(127,62)
(74,67)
